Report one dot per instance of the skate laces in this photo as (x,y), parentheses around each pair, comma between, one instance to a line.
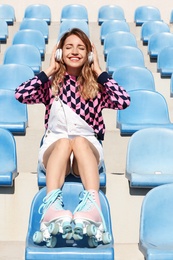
(86,202)
(51,197)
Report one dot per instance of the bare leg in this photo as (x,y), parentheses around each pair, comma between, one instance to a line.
(56,160)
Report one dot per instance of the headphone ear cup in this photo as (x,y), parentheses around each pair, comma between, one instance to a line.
(58,54)
(90,57)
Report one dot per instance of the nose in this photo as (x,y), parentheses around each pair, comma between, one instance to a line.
(75,51)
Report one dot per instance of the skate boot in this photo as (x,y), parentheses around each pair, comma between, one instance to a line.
(89,220)
(55,219)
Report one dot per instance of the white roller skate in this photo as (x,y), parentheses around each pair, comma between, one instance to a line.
(89,220)
(55,220)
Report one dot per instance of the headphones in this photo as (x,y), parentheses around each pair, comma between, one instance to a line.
(58,56)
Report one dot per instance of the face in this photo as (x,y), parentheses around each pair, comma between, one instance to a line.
(74,54)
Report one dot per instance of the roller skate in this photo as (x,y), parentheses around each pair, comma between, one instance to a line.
(55,220)
(89,220)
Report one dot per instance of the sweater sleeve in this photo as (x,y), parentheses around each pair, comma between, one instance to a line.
(113,95)
(35,90)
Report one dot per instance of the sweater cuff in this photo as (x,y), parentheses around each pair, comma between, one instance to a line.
(43,77)
(103,78)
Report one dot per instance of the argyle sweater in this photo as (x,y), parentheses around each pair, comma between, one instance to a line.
(38,90)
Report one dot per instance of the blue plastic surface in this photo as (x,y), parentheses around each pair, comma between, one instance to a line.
(156,224)
(74,11)
(20,73)
(13,114)
(138,78)
(165,62)
(151,27)
(112,26)
(8,158)
(149,158)
(24,54)
(36,24)
(63,250)
(7,13)
(147,109)
(110,12)
(3,30)
(146,13)
(123,56)
(38,11)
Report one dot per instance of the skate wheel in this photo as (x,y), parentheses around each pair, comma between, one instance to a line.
(78,232)
(38,237)
(67,236)
(91,230)
(106,237)
(53,228)
(77,236)
(92,242)
(67,228)
(51,242)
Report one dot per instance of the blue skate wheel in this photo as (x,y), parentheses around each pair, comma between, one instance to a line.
(51,242)
(53,228)
(91,230)
(38,237)
(92,242)
(106,237)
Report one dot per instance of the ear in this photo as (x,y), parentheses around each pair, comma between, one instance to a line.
(58,54)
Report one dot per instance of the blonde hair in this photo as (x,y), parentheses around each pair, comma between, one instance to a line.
(87,79)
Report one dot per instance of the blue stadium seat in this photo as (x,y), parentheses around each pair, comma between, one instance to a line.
(38,11)
(33,37)
(146,13)
(165,62)
(13,114)
(117,39)
(110,12)
(77,250)
(36,24)
(138,78)
(8,158)
(171,86)
(157,42)
(151,27)
(3,30)
(149,157)
(67,25)
(20,73)
(24,54)
(7,13)
(74,11)
(123,56)
(147,109)
(112,26)
(156,224)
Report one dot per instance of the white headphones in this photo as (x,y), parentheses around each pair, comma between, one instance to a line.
(58,55)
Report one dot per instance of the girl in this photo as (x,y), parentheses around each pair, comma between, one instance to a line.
(74,91)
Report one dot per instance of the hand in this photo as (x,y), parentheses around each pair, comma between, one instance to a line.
(95,65)
(54,65)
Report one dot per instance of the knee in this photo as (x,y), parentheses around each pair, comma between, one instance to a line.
(63,143)
(79,142)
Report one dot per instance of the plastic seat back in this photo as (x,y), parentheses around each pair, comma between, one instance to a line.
(146,13)
(7,13)
(13,114)
(147,109)
(24,54)
(151,27)
(157,42)
(171,86)
(149,157)
(30,36)
(67,25)
(3,30)
(117,39)
(66,248)
(134,78)
(165,62)
(156,224)
(8,158)
(20,73)
(36,24)
(112,26)
(110,12)
(38,11)
(74,11)
(123,56)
